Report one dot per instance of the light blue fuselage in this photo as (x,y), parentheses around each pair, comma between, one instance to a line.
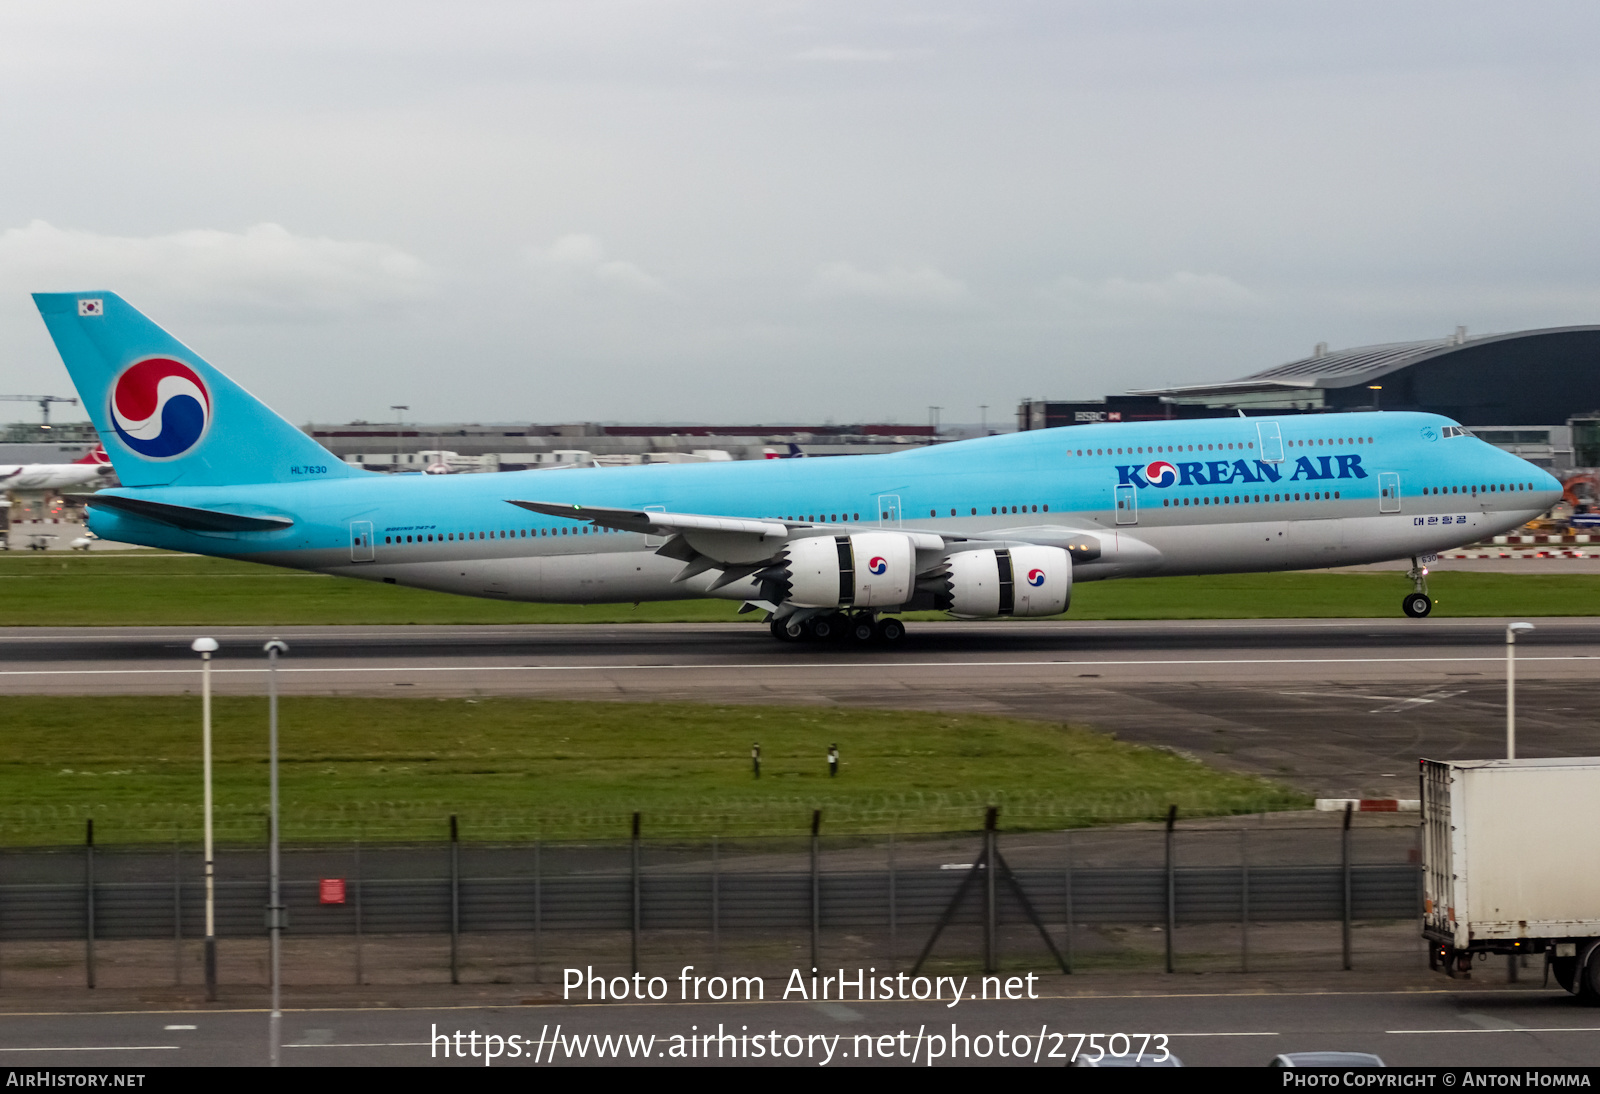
(1228,507)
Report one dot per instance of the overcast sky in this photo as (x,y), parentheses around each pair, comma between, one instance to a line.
(709,211)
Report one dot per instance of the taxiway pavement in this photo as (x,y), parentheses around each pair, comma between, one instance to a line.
(1338,707)
(1433,1023)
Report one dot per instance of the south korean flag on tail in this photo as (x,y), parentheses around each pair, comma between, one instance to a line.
(94,306)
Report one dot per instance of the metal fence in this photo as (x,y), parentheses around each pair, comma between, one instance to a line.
(1051,897)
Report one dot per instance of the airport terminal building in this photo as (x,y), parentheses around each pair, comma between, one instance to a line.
(1535,393)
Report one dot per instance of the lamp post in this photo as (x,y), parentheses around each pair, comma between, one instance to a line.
(1377,395)
(1512,630)
(399,429)
(274,904)
(205,647)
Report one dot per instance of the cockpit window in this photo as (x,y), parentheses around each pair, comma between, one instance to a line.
(1457,431)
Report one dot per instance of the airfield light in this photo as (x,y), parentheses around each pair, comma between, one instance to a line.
(275,922)
(205,647)
(1512,630)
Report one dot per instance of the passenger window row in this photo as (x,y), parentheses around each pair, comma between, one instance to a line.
(1481,488)
(834,518)
(1246,499)
(503,533)
(1158,450)
(995,509)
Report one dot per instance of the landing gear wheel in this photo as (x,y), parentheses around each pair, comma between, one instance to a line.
(862,629)
(780,631)
(826,627)
(1416,605)
(890,631)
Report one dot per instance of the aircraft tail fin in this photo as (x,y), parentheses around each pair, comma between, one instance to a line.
(165,415)
(96,456)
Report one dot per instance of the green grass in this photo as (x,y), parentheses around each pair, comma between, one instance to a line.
(524,768)
(148,588)
(156,589)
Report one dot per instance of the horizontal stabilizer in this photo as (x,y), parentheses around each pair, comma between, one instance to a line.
(189,518)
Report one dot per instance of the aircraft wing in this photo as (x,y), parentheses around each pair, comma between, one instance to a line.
(642,520)
(737,546)
(704,541)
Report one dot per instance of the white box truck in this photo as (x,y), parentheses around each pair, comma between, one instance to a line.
(1509,865)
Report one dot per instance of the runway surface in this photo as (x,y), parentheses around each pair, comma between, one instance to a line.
(1339,707)
(1431,1027)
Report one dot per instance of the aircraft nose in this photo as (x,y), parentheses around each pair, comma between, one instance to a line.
(1551,489)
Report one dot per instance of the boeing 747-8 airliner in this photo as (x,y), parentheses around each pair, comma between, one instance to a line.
(998,526)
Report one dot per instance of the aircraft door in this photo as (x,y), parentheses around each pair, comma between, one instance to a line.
(889,510)
(1127,505)
(1388,491)
(1271,442)
(361,548)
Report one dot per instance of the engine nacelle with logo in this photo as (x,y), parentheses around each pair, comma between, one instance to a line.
(1026,581)
(865,570)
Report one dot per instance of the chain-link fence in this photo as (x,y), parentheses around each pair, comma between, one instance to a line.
(1257,894)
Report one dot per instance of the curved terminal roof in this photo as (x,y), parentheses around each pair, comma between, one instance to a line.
(1355,367)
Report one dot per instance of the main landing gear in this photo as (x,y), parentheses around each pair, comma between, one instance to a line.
(1417,603)
(859,629)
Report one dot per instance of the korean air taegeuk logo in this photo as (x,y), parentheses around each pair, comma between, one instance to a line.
(160,408)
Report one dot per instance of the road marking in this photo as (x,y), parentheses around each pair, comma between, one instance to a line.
(1489,1021)
(829,666)
(95,1048)
(838,1012)
(177,1027)
(1401,705)
(1529,1029)
(368,1044)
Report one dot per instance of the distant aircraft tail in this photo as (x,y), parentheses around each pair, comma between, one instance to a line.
(96,455)
(167,417)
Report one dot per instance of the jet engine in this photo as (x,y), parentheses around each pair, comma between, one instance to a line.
(1026,581)
(865,570)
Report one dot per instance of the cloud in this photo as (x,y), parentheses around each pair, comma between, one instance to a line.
(917,285)
(265,271)
(579,261)
(846,54)
(1181,291)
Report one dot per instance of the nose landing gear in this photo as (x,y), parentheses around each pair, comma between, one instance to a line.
(1417,603)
